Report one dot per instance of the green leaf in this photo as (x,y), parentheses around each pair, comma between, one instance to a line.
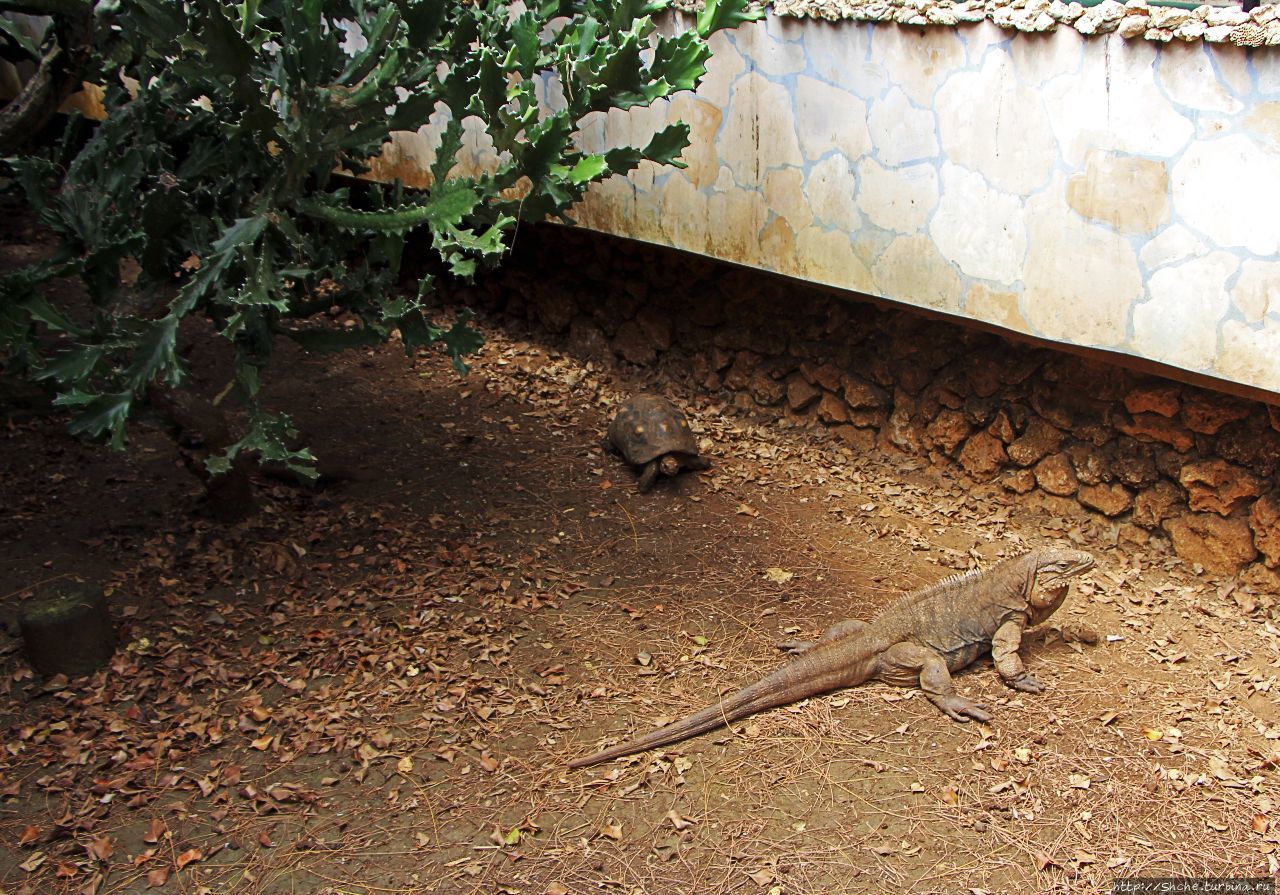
(74,365)
(425,18)
(546,144)
(682,60)
(461,339)
(41,309)
(154,355)
(97,415)
(667,145)
(524,53)
(19,37)
(217,464)
(157,22)
(587,169)
(378,35)
(226,50)
(718,14)
(243,232)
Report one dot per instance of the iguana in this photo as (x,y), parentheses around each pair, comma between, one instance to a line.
(917,640)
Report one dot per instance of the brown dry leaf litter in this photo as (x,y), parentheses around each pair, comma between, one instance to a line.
(374,688)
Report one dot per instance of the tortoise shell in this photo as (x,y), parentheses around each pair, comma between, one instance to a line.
(649,426)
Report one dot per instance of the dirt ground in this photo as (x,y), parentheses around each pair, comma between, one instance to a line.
(374,687)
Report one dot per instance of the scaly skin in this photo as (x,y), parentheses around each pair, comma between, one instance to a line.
(916,641)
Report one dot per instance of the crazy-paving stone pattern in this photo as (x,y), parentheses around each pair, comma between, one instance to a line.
(1135,456)
(1103,192)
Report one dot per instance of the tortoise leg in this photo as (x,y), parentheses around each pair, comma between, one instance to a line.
(648,477)
(607,445)
(697,463)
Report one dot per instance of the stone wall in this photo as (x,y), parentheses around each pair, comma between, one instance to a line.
(1099,191)
(1230,24)
(1155,457)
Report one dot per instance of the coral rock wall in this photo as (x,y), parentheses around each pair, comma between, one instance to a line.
(1145,456)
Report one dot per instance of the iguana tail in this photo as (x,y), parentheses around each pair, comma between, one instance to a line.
(809,674)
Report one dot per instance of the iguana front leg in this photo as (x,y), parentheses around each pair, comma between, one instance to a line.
(909,664)
(835,632)
(1004,650)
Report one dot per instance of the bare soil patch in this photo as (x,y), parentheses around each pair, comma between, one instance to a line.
(374,687)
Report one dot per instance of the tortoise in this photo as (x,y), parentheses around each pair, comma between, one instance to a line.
(651,434)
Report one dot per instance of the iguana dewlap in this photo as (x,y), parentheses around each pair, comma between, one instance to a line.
(916,641)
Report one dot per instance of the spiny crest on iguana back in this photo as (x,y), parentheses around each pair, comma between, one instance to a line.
(955,581)
(1071,563)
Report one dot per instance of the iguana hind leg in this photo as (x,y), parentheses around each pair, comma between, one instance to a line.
(1004,650)
(835,632)
(909,664)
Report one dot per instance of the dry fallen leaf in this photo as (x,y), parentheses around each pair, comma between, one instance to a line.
(1078,781)
(679,821)
(92,886)
(611,830)
(746,510)
(155,830)
(189,856)
(101,848)
(157,877)
(778,576)
(29,836)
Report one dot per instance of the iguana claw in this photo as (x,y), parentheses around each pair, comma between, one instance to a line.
(960,709)
(1027,684)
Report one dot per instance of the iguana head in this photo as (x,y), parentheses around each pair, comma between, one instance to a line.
(1054,570)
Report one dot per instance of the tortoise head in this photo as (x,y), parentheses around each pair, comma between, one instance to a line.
(669,465)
